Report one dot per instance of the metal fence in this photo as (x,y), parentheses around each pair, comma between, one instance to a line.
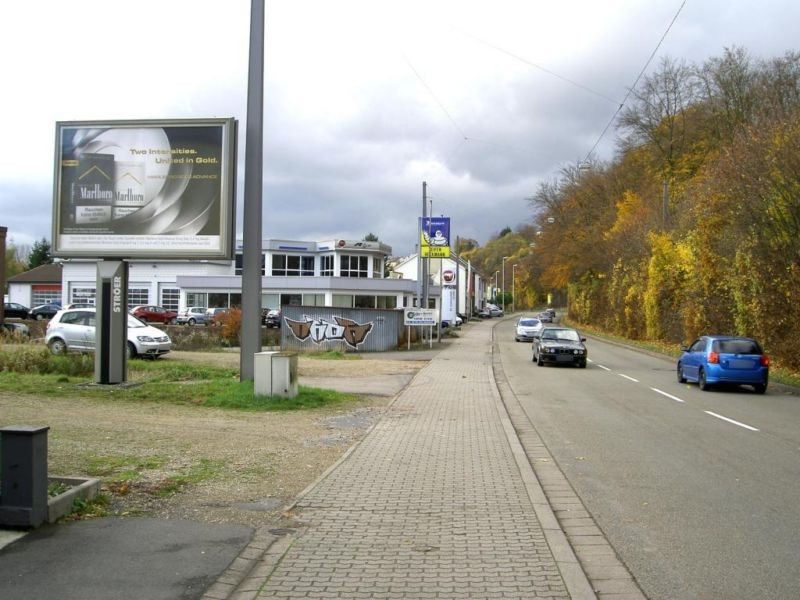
(346,329)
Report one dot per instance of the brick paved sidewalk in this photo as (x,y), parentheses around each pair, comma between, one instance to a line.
(435,502)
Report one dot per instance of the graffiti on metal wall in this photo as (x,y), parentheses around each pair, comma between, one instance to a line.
(319,330)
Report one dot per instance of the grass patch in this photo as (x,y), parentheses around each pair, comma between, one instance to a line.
(205,469)
(169,382)
(333,355)
(122,469)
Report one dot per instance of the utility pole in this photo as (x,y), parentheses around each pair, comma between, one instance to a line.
(424,262)
(253,215)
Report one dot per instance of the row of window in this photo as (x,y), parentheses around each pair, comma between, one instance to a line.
(292,265)
(170,299)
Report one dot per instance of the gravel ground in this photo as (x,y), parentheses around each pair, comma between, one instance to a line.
(236,467)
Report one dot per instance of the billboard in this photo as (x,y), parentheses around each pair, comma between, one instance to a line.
(434,239)
(145,189)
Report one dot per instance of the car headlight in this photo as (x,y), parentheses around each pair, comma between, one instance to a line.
(578,351)
(145,338)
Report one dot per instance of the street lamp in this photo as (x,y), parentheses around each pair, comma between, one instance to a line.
(513,288)
(503,289)
(496,273)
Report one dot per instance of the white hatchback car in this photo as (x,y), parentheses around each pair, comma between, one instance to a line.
(527,328)
(73,330)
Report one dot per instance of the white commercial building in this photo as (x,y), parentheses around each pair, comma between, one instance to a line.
(338,273)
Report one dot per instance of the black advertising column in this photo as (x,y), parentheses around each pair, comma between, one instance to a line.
(111,341)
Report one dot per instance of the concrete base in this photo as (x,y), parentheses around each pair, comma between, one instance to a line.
(81,488)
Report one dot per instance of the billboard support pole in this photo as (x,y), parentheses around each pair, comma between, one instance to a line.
(111,323)
(253,177)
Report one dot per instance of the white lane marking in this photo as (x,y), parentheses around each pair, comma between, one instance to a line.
(626,377)
(708,412)
(670,396)
(604,368)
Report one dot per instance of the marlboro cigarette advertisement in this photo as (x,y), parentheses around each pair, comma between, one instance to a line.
(145,189)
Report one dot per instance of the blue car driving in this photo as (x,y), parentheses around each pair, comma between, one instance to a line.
(718,359)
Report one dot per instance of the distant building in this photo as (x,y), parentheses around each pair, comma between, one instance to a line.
(40,285)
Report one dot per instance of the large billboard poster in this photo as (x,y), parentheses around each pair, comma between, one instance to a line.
(435,237)
(145,189)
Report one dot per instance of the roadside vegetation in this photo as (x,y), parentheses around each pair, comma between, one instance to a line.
(693,227)
(34,370)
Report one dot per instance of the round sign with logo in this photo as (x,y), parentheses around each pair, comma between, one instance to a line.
(448,276)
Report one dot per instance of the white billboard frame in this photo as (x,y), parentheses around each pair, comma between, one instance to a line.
(150,189)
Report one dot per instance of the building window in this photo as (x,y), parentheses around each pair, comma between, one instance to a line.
(291,299)
(170,298)
(82,295)
(239,262)
(224,300)
(326,265)
(270,301)
(138,296)
(287,265)
(387,301)
(343,300)
(364,301)
(313,299)
(354,266)
(377,272)
(196,299)
(44,297)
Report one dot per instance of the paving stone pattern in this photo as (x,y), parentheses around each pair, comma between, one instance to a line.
(429,505)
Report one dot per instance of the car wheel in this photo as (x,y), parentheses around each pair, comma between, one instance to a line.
(58,346)
(130,350)
(173,320)
(582,365)
(681,378)
(192,321)
(539,360)
(760,388)
(39,317)
(702,383)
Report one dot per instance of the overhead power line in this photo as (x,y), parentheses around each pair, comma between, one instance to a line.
(635,83)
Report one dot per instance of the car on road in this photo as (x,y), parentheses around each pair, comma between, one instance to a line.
(718,359)
(546,317)
(73,330)
(484,312)
(193,315)
(527,328)
(154,314)
(495,311)
(271,317)
(44,311)
(559,345)
(14,310)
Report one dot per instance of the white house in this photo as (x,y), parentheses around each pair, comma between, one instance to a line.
(460,287)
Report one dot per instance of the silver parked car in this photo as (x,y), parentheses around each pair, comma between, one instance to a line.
(194,315)
(73,330)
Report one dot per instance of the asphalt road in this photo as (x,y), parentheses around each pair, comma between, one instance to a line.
(698,492)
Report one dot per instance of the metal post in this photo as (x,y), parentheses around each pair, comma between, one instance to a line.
(3,231)
(513,289)
(250,333)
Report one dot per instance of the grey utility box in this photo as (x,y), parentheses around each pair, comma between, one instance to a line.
(23,476)
(275,374)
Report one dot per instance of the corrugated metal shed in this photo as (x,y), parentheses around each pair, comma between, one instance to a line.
(346,329)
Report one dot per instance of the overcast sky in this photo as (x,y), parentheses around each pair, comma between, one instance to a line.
(364,99)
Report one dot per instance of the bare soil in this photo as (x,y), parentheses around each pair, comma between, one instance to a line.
(199,463)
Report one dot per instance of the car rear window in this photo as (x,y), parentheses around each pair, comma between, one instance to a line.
(737,347)
(529,322)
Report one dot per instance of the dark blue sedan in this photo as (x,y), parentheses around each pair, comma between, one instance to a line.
(719,359)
